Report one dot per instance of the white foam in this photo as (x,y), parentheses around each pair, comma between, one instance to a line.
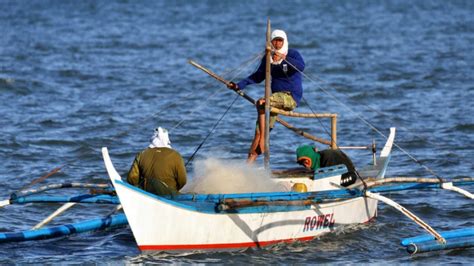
(216,176)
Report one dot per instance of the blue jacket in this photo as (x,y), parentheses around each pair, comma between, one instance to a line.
(284,76)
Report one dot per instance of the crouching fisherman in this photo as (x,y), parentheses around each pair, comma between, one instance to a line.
(312,159)
(158,169)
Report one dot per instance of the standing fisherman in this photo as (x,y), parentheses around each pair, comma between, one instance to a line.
(287,89)
(158,169)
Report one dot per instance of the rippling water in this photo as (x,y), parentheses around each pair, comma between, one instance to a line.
(79,75)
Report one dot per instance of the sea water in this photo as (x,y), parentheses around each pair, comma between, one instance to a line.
(79,75)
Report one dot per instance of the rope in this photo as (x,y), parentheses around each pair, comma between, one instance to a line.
(212,130)
(193,111)
(319,120)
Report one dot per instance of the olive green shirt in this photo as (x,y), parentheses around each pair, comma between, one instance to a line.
(158,166)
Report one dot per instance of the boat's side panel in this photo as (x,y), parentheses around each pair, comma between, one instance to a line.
(161,225)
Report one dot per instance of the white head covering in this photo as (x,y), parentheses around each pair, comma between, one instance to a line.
(284,48)
(160,139)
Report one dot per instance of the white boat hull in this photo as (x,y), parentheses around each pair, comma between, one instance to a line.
(167,226)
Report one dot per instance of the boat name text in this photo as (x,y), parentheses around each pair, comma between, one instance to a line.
(319,222)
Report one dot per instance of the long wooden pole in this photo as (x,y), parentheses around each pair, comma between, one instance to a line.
(221,79)
(334,132)
(450,186)
(52,172)
(302,133)
(7,202)
(268,50)
(212,74)
(302,115)
(251,100)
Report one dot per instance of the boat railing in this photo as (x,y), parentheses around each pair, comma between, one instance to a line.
(332,143)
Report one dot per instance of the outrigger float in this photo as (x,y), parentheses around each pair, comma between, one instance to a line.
(250,220)
(38,232)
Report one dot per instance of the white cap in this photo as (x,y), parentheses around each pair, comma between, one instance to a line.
(279,34)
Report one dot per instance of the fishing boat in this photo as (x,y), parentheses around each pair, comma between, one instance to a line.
(249,220)
(236,221)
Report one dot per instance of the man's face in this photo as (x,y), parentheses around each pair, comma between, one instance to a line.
(277,43)
(305,162)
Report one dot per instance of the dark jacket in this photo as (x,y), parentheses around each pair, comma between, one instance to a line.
(334,157)
(284,76)
(158,170)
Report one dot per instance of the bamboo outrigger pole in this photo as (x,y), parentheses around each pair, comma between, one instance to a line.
(408,214)
(268,50)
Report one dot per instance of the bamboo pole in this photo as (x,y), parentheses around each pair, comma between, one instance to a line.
(353,147)
(53,215)
(4,203)
(302,133)
(408,214)
(52,172)
(450,186)
(212,74)
(334,132)
(268,50)
(302,115)
(219,78)
(407,179)
(233,204)
(7,202)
